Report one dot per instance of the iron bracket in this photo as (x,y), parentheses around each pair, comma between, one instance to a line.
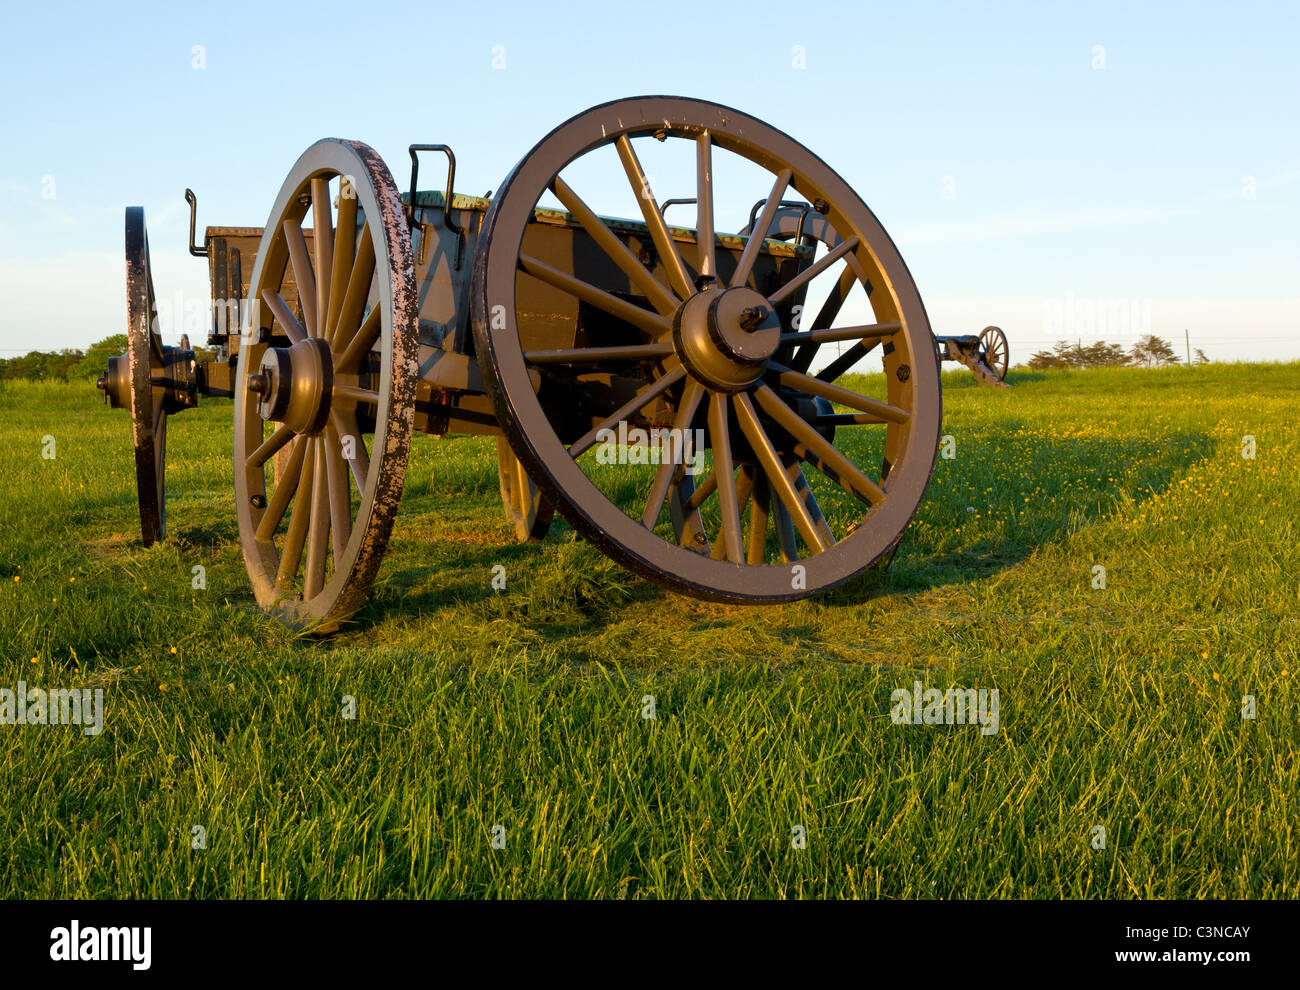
(450,224)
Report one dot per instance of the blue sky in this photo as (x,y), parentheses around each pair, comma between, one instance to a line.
(1167,181)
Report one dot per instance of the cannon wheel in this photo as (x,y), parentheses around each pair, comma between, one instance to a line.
(144,356)
(996,352)
(759,445)
(527,510)
(334,382)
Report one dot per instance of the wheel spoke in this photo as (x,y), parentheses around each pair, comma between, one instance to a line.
(340,494)
(708,260)
(830,336)
(659,294)
(652,323)
(687,525)
(268,448)
(757,515)
(812,271)
(322,242)
(700,495)
(826,316)
(724,471)
(668,254)
(775,472)
(303,276)
(318,536)
(361,343)
(358,290)
(354,394)
(758,232)
(784,527)
(815,386)
(280,309)
(842,471)
(345,249)
(644,396)
(299,519)
(664,476)
(806,496)
(286,485)
(592,355)
(845,361)
(359,462)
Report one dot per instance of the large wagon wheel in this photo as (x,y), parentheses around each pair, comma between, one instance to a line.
(715,351)
(137,381)
(995,350)
(333,382)
(527,510)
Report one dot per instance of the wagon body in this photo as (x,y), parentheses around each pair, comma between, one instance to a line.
(359,315)
(450,396)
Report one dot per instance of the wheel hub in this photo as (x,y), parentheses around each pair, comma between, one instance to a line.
(726,336)
(116,383)
(295,385)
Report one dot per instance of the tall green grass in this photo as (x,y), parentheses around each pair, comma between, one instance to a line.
(1120,707)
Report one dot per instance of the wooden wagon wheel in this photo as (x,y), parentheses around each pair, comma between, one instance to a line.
(334,382)
(137,381)
(716,351)
(527,510)
(144,361)
(995,351)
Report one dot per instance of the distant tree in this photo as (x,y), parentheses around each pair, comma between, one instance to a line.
(1062,355)
(37,366)
(1153,352)
(1065,354)
(95,361)
(1103,355)
(1046,359)
(1200,357)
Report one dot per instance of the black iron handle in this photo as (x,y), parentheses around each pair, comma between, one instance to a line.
(198,252)
(451,181)
(663,209)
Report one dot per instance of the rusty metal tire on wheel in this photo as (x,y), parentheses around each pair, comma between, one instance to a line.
(317,377)
(717,353)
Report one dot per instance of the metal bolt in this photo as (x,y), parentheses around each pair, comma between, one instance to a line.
(751,317)
(257,501)
(821,206)
(660,134)
(259,384)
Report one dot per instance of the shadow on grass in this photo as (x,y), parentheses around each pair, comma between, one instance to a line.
(573,589)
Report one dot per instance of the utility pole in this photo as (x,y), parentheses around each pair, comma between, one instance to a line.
(1188,338)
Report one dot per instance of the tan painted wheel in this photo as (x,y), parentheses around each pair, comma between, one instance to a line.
(527,510)
(995,351)
(328,373)
(681,334)
(151,380)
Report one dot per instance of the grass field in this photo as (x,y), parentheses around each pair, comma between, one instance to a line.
(1120,707)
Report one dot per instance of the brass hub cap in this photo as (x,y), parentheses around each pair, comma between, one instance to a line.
(726,336)
(295,385)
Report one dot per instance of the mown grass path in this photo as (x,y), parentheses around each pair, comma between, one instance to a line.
(1119,707)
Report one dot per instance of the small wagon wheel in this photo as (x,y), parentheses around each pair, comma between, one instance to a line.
(717,353)
(527,510)
(328,371)
(994,349)
(144,362)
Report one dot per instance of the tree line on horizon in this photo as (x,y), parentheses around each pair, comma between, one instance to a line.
(73,364)
(1150,351)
